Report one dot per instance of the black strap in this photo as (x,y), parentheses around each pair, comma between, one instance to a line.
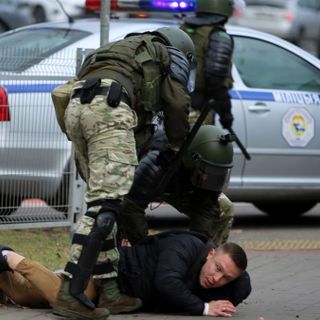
(84,239)
(104,92)
(97,270)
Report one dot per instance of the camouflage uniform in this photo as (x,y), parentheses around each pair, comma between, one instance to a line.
(119,88)
(104,143)
(104,137)
(202,217)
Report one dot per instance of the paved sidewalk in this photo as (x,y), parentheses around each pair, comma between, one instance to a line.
(286,283)
(286,286)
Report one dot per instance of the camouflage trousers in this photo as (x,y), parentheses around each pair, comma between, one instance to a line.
(216,225)
(225,220)
(106,157)
(194,115)
(104,144)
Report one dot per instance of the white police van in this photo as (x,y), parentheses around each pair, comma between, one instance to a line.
(275,98)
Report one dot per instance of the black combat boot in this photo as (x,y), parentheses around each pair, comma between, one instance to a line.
(69,307)
(3,259)
(116,302)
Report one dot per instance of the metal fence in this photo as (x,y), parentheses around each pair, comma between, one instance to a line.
(39,186)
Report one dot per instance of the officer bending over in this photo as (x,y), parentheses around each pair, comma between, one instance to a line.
(118,89)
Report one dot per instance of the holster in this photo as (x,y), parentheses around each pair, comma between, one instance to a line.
(115,94)
(88,91)
(92,87)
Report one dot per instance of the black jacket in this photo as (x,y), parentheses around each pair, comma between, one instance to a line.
(164,272)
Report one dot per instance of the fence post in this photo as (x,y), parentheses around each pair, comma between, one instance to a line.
(104,22)
(76,195)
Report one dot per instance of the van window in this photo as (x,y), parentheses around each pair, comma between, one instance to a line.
(264,65)
(269,3)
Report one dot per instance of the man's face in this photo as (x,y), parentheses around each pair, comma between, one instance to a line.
(218,270)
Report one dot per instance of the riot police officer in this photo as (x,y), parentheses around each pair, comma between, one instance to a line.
(214,47)
(194,189)
(118,89)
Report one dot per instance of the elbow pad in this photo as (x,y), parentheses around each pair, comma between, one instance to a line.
(179,68)
(145,180)
(218,60)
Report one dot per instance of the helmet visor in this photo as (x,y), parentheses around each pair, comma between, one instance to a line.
(209,176)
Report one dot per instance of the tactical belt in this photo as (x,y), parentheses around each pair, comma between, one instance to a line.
(104,92)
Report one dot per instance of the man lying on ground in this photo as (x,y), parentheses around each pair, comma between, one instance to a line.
(170,272)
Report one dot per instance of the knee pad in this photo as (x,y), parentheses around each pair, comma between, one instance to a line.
(105,222)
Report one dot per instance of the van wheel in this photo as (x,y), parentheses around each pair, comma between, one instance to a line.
(284,209)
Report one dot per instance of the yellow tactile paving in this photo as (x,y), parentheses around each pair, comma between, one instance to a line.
(275,244)
(281,244)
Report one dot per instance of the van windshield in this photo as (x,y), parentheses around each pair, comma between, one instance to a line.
(25,48)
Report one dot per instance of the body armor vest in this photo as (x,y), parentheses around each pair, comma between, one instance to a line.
(200,36)
(138,62)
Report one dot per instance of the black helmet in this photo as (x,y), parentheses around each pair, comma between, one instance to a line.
(210,157)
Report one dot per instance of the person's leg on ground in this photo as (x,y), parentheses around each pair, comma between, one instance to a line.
(22,280)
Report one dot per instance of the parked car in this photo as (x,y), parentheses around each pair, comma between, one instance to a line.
(13,15)
(275,98)
(44,10)
(297,21)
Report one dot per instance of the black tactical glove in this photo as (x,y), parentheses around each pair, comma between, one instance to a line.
(226,118)
(165,158)
(223,108)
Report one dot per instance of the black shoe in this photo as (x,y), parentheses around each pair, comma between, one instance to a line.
(3,260)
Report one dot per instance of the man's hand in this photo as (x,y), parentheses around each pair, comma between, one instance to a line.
(221,308)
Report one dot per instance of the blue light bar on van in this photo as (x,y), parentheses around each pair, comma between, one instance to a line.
(168,5)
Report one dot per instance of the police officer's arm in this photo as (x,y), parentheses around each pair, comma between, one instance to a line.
(177,102)
(217,73)
(174,263)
